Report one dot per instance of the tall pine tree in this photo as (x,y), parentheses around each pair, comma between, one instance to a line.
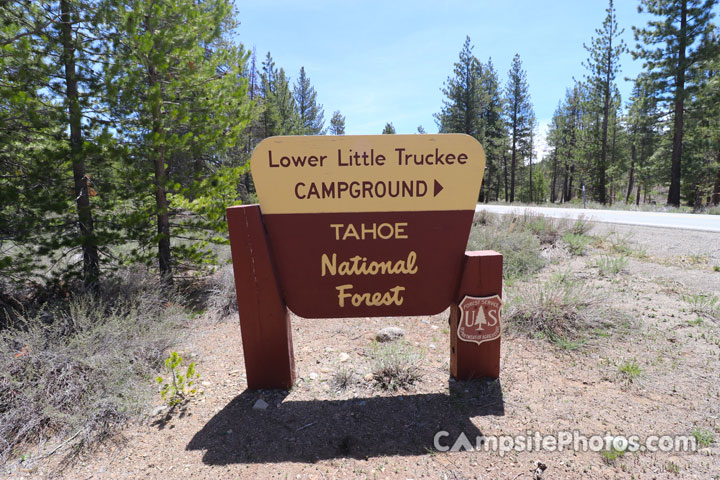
(50,61)
(337,123)
(495,134)
(671,48)
(309,112)
(463,106)
(603,66)
(176,89)
(643,122)
(520,119)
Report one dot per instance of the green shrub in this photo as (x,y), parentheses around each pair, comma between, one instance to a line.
(546,229)
(576,243)
(178,387)
(609,456)
(630,370)
(704,438)
(522,254)
(581,226)
(608,266)
(704,304)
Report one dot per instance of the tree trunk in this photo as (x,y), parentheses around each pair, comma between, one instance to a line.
(531,189)
(163,216)
(716,188)
(505,172)
(697,203)
(612,162)
(553,196)
(486,190)
(603,148)
(631,180)
(637,197)
(675,169)
(512,169)
(514,154)
(91,262)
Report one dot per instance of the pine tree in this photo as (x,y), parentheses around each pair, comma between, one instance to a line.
(529,153)
(519,116)
(643,122)
(176,90)
(389,129)
(28,133)
(309,112)
(285,103)
(473,105)
(269,117)
(254,132)
(672,47)
(555,141)
(565,139)
(495,134)
(56,103)
(701,171)
(603,66)
(337,124)
(279,112)
(463,106)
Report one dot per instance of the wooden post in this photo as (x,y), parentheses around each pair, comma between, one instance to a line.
(264,318)
(481,277)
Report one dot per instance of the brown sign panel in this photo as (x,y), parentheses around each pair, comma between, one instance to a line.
(368,225)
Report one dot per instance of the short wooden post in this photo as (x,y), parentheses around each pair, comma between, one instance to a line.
(481,277)
(264,318)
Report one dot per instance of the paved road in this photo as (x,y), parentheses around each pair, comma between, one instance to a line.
(687,221)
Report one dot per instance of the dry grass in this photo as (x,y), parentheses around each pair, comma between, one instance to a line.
(521,250)
(610,266)
(559,307)
(222,298)
(342,379)
(528,240)
(394,365)
(75,372)
(706,305)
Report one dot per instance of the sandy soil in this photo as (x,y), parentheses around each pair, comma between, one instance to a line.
(316,432)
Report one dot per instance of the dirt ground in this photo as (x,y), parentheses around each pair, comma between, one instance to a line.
(317,432)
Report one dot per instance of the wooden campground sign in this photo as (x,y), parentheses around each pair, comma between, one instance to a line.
(368,225)
(362,226)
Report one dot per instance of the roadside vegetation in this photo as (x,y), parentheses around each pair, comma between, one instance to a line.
(73,371)
(77,367)
(560,306)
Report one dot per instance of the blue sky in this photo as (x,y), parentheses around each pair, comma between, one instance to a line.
(386,61)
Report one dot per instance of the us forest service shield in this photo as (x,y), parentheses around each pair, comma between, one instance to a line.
(480,319)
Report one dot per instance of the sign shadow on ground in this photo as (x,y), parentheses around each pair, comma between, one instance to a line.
(308,431)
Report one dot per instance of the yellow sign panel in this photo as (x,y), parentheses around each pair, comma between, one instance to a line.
(368,173)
